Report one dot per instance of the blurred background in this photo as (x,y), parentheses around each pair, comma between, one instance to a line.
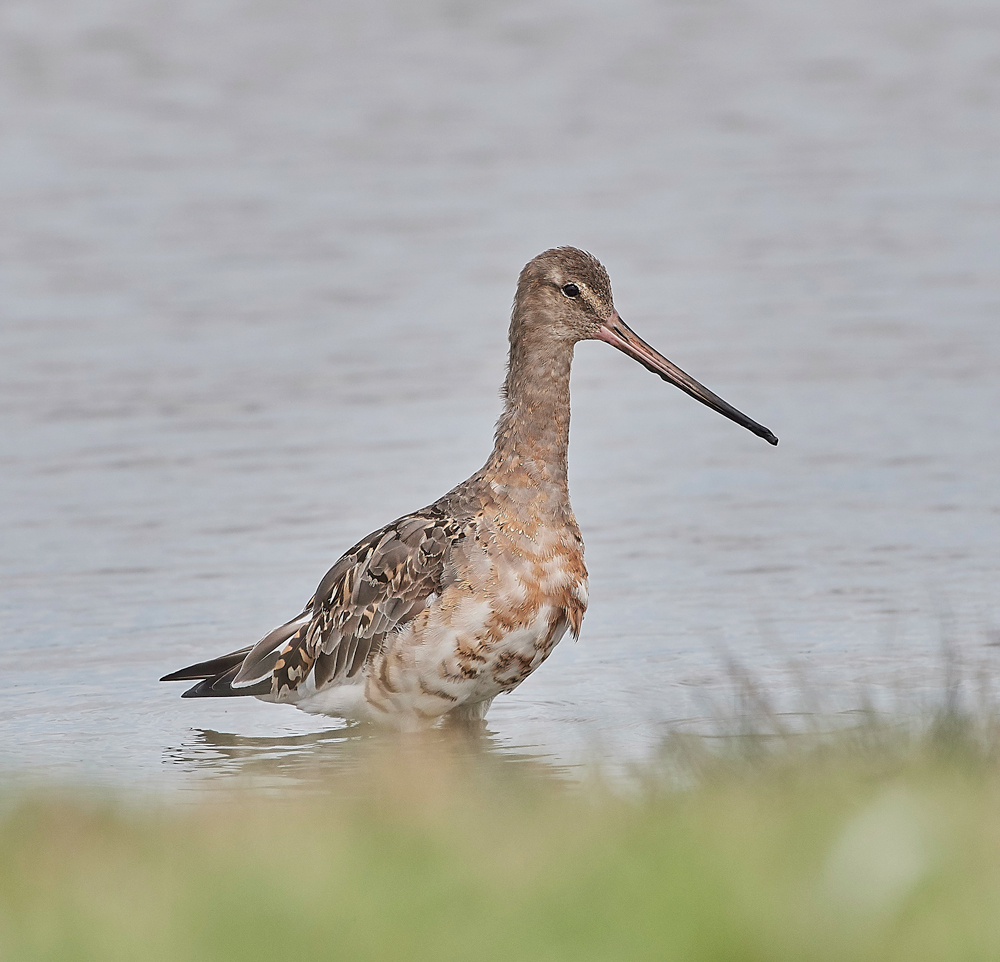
(256,266)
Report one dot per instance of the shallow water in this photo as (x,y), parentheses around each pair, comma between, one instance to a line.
(256,262)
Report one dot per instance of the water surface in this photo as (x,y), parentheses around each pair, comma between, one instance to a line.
(256,262)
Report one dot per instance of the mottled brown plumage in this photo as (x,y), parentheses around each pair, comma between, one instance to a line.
(440,611)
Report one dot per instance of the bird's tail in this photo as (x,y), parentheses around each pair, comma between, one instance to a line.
(252,665)
(215,677)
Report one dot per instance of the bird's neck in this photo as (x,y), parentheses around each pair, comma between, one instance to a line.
(532,434)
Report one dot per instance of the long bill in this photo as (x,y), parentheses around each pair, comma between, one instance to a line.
(618,334)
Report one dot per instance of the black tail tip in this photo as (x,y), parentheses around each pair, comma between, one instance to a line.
(202,690)
(221,687)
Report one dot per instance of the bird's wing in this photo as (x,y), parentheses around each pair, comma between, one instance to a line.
(375,588)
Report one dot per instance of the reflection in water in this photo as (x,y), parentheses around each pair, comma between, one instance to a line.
(223,753)
(317,758)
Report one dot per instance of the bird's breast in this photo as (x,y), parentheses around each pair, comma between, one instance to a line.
(516,589)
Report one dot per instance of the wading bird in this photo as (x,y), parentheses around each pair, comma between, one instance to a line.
(440,611)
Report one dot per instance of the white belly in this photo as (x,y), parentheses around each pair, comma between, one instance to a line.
(449,661)
(344,700)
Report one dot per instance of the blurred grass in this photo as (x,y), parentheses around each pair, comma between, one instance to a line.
(871,843)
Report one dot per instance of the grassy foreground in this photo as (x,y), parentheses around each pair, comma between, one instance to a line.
(835,851)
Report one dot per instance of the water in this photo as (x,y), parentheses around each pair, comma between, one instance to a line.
(256,262)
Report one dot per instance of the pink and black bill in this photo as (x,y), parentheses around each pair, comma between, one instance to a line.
(618,334)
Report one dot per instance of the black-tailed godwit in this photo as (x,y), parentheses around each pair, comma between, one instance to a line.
(440,611)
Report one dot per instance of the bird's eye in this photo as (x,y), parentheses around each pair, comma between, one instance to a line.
(571,290)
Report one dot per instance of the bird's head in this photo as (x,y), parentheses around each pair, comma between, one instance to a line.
(564,296)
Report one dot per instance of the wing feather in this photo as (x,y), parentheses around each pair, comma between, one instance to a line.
(376,588)
(259,663)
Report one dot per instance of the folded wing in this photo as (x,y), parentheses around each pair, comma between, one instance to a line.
(376,588)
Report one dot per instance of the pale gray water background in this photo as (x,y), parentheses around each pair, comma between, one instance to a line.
(256,262)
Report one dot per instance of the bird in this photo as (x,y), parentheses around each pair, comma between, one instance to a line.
(428,619)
